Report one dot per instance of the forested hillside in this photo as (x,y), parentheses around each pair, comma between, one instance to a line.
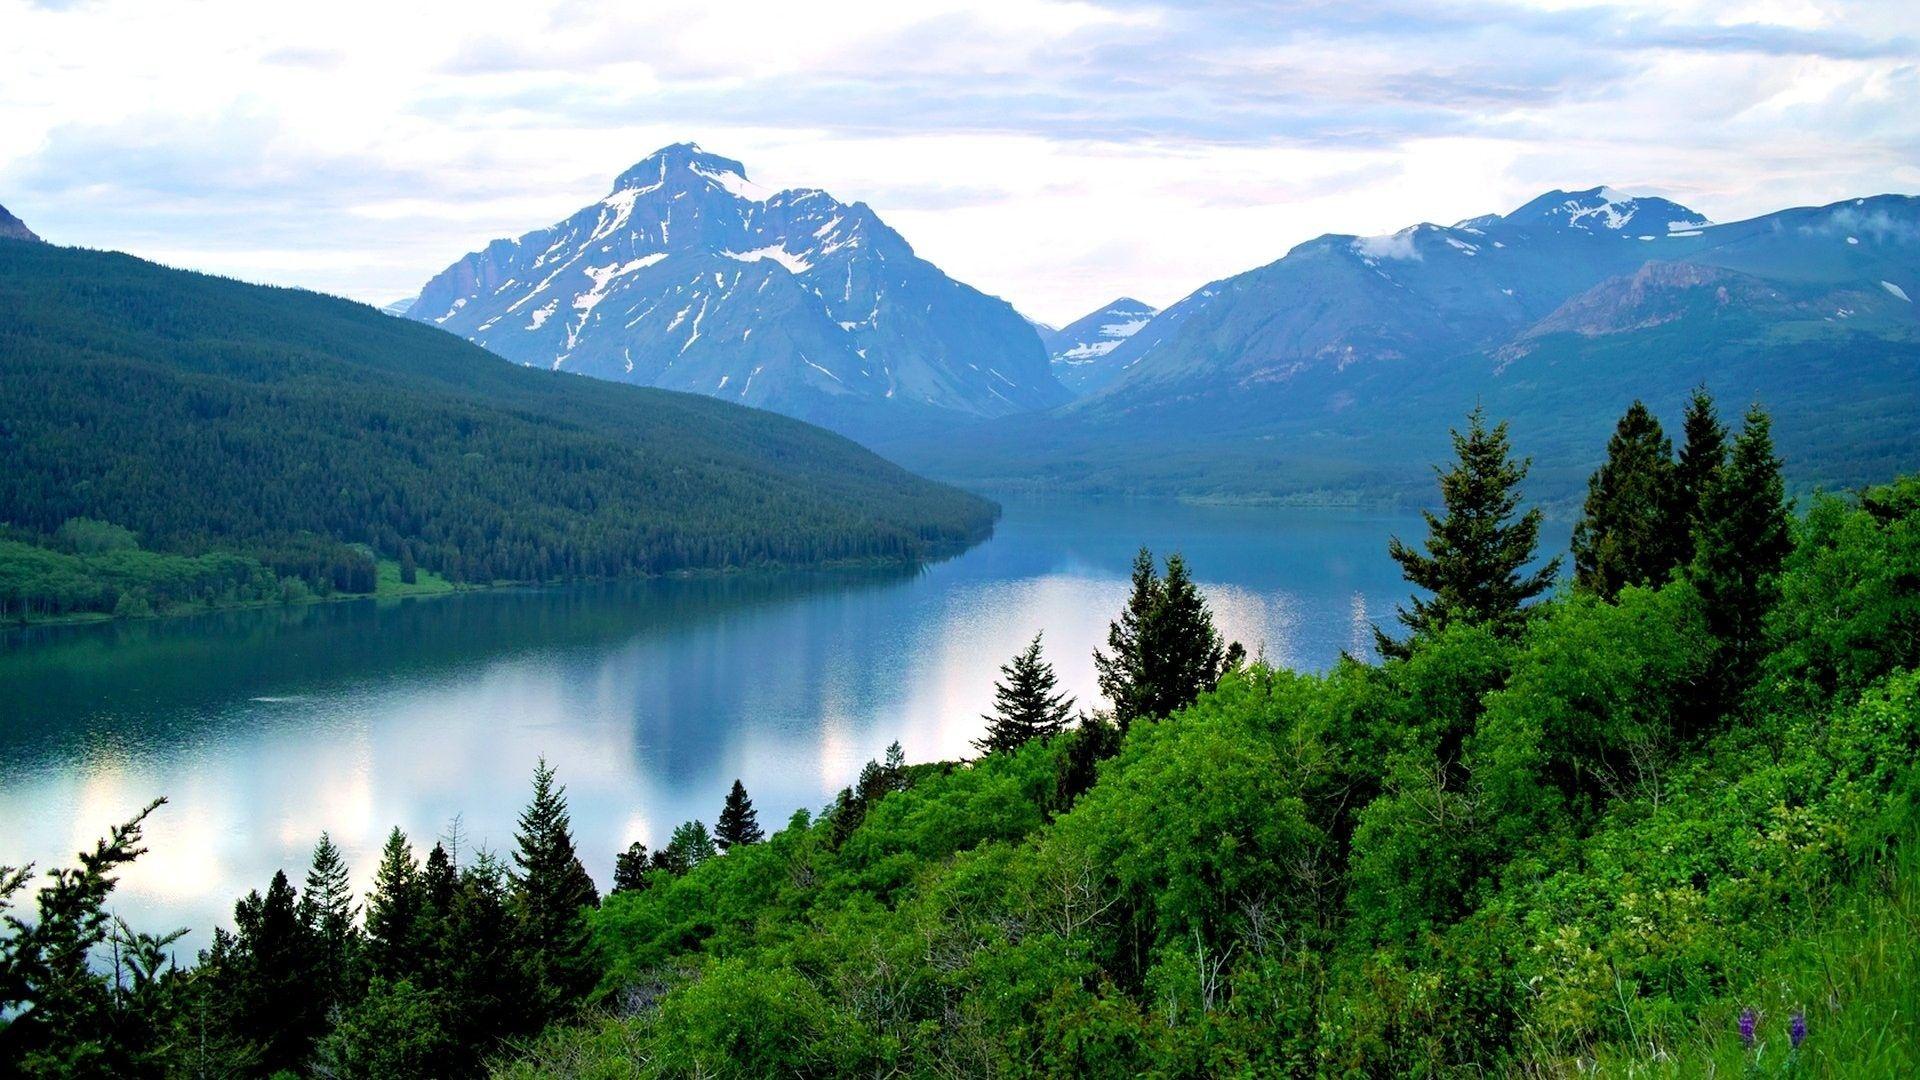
(311,435)
(1657,821)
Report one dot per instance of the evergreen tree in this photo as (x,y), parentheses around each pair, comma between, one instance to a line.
(394,906)
(1124,677)
(485,990)
(1191,655)
(1475,554)
(61,1017)
(738,824)
(1701,456)
(551,894)
(270,1000)
(327,911)
(1026,705)
(630,868)
(1165,649)
(1742,539)
(1624,535)
(688,847)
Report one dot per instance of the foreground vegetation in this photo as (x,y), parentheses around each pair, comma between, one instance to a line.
(1658,823)
(305,438)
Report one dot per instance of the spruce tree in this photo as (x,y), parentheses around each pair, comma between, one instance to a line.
(738,824)
(1124,677)
(1475,554)
(1165,649)
(486,992)
(1702,454)
(270,1003)
(630,868)
(393,912)
(1190,655)
(1026,705)
(1623,536)
(550,898)
(327,911)
(1740,544)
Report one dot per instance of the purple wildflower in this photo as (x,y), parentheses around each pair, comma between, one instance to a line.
(1748,1020)
(1797,1030)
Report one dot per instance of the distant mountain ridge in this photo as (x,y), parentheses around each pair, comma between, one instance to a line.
(1338,368)
(1079,350)
(689,276)
(12,228)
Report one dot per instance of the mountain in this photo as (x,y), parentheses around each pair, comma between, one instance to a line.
(207,415)
(399,307)
(12,228)
(1080,349)
(1335,371)
(688,276)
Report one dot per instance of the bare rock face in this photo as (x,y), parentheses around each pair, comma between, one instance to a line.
(12,228)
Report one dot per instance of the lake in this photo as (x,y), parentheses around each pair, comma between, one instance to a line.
(264,727)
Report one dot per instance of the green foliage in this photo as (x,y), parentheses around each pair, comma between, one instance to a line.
(396,1030)
(1165,650)
(738,824)
(1625,535)
(1027,705)
(1475,554)
(208,415)
(1525,849)
(550,900)
(1742,540)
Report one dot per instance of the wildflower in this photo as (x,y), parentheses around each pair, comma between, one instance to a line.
(1748,1019)
(1797,1030)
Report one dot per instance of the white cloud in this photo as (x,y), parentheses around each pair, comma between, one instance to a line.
(1055,153)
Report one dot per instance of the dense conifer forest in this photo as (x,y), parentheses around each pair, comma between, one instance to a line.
(1658,821)
(295,439)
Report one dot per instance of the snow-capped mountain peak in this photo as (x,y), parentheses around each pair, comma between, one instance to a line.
(690,276)
(1079,349)
(1603,210)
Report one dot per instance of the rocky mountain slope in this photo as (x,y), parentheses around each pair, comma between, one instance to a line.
(686,275)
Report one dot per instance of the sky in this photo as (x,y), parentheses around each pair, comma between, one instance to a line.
(1057,154)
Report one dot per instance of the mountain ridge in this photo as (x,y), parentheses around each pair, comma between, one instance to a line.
(687,275)
(1311,376)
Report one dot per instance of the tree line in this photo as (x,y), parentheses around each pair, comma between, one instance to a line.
(1543,831)
(313,436)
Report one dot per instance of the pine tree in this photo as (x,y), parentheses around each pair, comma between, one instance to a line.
(738,824)
(327,910)
(485,990)
(270,1001)
(1165,649)
(550,898)
(1191,656)
(630,868)
(1741,542)
(1623,536)
(393,912)
(1026,705)
(438,885)
(1475,554)
(1701,456)
(1124,677)
(895,767)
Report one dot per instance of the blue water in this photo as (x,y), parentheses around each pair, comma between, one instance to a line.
(264,727)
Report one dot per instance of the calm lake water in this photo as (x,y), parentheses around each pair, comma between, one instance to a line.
(264,727)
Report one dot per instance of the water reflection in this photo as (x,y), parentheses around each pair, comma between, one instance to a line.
(265,727)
